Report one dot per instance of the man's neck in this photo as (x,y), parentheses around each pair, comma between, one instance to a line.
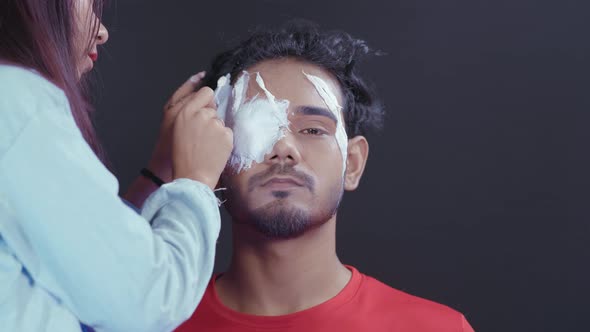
(278,277)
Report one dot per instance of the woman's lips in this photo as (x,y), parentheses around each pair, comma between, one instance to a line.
(93,56)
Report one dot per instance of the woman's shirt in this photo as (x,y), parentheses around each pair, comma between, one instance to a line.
(70,250)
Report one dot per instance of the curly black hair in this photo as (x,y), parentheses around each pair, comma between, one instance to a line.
(335,51)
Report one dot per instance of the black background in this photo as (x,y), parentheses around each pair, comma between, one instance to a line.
(476,193)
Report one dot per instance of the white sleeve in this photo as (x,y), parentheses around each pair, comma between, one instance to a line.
(63,220)
(25,307)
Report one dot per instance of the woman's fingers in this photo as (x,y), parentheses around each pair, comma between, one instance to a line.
(185,90)
(202,144)
(204,98)
(161,160)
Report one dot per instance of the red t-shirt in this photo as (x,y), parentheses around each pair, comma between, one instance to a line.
(365,304)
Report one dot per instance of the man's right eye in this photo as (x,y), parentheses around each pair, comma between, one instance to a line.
(313,131)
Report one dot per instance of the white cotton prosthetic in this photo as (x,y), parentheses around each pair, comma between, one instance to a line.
(229,98)
(222,95)
(258,124)
(332,102)
(239,91)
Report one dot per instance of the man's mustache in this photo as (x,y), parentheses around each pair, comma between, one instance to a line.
(280,169)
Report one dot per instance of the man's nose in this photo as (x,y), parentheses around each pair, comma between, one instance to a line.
(284,151)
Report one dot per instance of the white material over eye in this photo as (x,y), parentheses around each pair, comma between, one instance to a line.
(258,124)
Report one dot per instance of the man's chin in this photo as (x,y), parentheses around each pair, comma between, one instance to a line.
(279,201)
(276,220)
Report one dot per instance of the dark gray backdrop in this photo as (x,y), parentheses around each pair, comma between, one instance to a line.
(476,192)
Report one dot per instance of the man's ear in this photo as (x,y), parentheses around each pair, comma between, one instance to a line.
(358,152)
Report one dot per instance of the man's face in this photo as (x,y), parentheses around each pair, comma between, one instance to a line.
(300,182)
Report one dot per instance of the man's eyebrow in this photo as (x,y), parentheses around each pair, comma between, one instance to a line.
(313,110)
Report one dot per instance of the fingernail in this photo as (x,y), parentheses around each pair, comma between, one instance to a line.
(197,77)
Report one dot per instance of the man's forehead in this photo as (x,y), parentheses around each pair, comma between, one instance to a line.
(286,79)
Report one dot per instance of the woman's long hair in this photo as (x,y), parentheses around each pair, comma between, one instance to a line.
(41,34)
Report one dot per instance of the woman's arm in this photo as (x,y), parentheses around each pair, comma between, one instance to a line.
(161,160)
(139,190)
(64,222)
(27,307)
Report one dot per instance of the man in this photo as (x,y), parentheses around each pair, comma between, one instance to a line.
(299,111)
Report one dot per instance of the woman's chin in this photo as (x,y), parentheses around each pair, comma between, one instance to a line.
(85,67)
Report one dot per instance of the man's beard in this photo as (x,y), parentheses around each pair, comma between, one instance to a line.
(278,220)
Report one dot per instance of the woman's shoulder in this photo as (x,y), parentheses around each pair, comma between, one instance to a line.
(25,95)
(20,83)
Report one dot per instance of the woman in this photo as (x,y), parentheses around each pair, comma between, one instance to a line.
(71,253)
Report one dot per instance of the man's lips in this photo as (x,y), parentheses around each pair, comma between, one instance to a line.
(280,176)
(93,56)
(282,182)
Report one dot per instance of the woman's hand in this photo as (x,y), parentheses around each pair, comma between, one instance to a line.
(201,143)
(161,161)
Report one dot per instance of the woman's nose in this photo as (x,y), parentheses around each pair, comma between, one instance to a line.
(103,35)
